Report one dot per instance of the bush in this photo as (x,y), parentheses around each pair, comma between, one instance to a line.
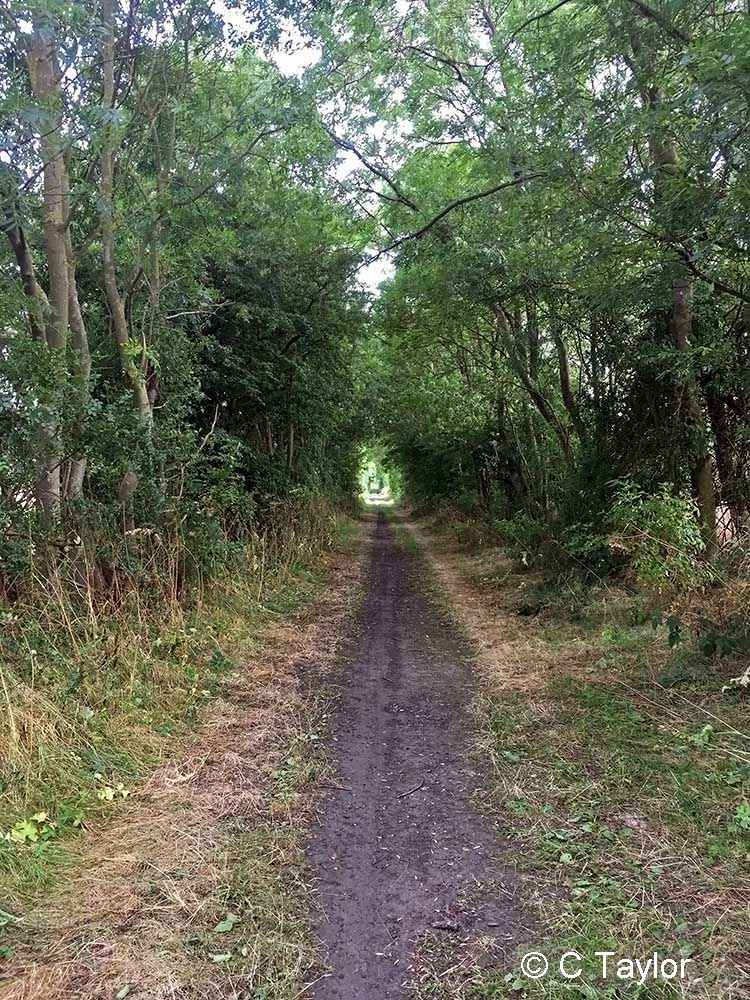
(587,548)
(660,535)
(522,534)
(102,663)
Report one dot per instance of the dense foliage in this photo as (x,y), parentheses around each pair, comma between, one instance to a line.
(565,191)
(179,314)
(179,337)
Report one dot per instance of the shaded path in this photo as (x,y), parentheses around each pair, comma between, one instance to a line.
(401,850)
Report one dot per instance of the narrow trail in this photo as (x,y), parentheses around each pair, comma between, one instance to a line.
(401,851)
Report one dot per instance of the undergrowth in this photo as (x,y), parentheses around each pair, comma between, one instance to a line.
(622,774)
(95,691)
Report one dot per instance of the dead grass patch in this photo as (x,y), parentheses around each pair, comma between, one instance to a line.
(508,651)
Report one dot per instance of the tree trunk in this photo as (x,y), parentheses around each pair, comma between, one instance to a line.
(270,444)
(44,74)
(728,461)
(39,309)
(120,328)
(81,376)
(665,160)
(40,313)
(569,400)
(483,482)
(535,392)
(702,465)
(290,446)
(669,205)
(518,488)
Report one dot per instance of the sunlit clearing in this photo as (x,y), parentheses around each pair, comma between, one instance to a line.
(375,482)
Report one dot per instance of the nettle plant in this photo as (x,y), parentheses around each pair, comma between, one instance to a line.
(660,534)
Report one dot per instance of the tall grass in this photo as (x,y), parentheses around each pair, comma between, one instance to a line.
(106,657)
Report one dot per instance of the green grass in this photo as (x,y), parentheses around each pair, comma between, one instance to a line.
(631,807)
(403,538)
(90,702)
(625,828)
(624,790)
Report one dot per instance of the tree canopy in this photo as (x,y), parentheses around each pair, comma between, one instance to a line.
(565,192)
(561,191)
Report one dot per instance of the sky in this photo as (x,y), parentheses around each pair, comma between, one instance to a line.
(293,57)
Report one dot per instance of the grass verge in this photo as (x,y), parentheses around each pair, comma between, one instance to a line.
(193,882)
(622,775)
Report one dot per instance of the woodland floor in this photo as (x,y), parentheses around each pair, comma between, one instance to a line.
(392,798)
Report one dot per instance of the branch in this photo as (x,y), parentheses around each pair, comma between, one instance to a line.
(458,203)
(450,63)
(535,18)
(654,15)
(208,434)
(7,16)
(216,180)
(489,21)
(210,311)
(392,184)
(688,259)
(682,252)
(419,233)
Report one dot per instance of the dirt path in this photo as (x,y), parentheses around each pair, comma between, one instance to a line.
(402,855)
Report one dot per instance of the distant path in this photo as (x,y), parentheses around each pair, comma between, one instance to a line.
(401,850)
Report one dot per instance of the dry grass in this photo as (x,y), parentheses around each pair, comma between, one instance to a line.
(622,815)
(139,911)
(509,649)
(102,658)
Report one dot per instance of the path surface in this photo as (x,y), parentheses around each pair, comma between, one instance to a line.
(401,850)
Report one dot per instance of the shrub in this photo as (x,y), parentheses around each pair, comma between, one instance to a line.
(522,534)
(660,535)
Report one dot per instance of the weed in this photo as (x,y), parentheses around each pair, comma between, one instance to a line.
(209,864)
(627,799)
(94,693)
(403,537)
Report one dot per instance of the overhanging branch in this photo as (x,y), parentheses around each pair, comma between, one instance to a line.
(458,203)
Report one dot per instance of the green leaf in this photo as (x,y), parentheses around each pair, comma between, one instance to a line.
(25,831)
(742,816)
(227,923)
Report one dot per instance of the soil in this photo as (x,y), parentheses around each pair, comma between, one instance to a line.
(402,853)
